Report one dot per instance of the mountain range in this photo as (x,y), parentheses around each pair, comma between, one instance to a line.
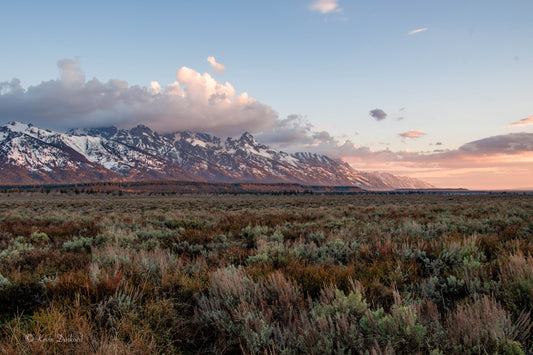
(31,155)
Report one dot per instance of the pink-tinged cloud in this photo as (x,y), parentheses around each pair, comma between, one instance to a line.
(412,134)
(497,162)
(417,31)
(523,122)
(194,102)
(219,68)
(326,6)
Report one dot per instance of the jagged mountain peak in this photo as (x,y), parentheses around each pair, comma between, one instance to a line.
(246,142)
(104,132)
(16,126)
(29,129)
(141,154)
(248,138)
(141,129)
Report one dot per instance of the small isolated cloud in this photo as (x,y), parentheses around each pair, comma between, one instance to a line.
(378,114)
(411,134)
(219,68)
(417,31)
(326,6)
(523,122)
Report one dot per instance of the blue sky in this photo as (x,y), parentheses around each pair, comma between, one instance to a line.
(324,64)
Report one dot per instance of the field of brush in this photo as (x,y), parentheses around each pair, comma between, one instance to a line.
(255,274)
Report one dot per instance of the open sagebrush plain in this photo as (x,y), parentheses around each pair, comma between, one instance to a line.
(255,274)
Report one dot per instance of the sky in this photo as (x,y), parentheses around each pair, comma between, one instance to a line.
(437,90)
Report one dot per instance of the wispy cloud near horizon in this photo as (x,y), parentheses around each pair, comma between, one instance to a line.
(326,6)
(417,31)
(501,161)
(523,122)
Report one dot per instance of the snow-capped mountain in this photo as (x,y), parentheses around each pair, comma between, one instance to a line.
(35,155)
(32,155)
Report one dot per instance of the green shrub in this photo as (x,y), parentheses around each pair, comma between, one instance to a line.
(401,328)
(78,244)
(39,237)
(4,283)
(16,249)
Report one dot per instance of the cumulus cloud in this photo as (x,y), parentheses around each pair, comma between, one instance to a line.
(193,101)
(326,6)
(417,31)
(11,87)
(523,122)
(378,114)
(71,73)
(294,130)
(296,134)
(412,134)
(219,68)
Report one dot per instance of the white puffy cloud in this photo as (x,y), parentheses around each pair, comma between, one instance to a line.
(155,87)
(219,68)
(194,101)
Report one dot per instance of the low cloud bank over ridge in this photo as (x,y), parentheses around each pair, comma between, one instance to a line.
(193,101)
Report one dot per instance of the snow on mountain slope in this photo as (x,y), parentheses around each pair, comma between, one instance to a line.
(38,149)
(27,159)
(140,153)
